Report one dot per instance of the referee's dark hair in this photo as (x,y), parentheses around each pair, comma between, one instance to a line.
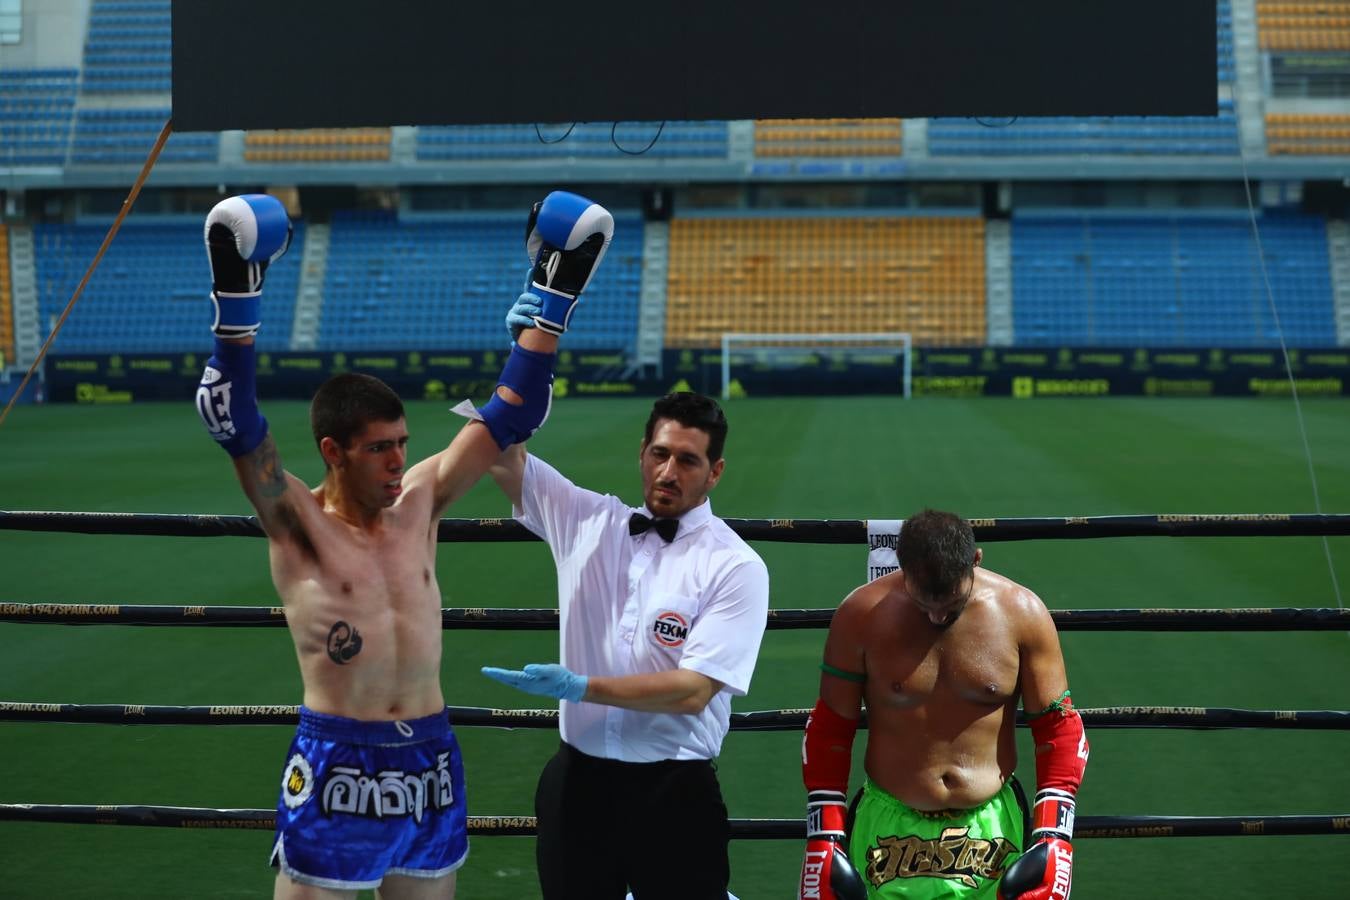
(692,411)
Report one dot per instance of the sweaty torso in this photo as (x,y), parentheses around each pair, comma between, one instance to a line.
(942,703)
(363,608)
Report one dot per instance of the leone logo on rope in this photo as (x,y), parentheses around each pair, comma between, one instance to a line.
(670,629)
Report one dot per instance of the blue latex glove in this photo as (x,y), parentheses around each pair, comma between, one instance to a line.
(521,315)
(545,679)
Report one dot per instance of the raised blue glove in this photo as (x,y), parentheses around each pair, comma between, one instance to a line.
(244,235)
(544,679)
(521,315)
(565,239)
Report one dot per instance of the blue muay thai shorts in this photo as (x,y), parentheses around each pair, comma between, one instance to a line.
(362,800)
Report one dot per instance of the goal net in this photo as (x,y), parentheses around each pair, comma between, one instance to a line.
(788,364)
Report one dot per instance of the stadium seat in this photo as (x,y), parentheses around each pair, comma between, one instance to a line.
(149,293)
(1169,281)
(393,285)
(919,275)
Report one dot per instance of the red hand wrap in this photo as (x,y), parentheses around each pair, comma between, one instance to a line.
(827,750)
(1061,748)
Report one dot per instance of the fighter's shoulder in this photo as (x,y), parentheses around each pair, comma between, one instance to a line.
(1011,598)
(865,600)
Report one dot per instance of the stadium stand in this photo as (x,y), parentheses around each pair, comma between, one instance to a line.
(919,275)
(394,285)
(127,48)
(1169,281)
(1303,26)
(36,107)
(112,135)
(1308,134)
(150,292)
(827,137)
(1101,136)
(318,145)
(6,301)
(686,140)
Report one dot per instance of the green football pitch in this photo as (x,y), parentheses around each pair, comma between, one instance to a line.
(849,458)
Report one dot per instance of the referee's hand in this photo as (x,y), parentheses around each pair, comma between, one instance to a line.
(544,679)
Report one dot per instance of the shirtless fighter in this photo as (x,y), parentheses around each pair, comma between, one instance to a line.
(372,794)
(940,652)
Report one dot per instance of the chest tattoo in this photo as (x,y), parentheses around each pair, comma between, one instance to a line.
(344,642)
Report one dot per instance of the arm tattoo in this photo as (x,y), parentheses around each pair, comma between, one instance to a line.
(267,469)
(344,642)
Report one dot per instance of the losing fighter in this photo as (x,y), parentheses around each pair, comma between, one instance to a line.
(372,794)
(940,652)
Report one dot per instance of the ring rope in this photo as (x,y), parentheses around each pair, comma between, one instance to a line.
(764,829)
(765,720)
(1242,619)
(815,531)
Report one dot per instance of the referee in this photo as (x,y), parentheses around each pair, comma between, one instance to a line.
(662,610)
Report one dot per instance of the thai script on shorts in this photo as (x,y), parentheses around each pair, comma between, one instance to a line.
(954,855)
(389,794)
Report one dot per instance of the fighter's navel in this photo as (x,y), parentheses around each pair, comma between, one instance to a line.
(426,576)
(346,587)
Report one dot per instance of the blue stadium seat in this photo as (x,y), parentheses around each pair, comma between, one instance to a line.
(35,115)
(1169,281)
(394,285)
(149,294)
(678,140)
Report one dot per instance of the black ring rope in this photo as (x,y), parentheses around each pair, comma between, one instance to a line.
(763,829)
(1195,717)
(786,530)
(813,531)
(1251,619)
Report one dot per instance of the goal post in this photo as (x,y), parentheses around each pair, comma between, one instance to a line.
(794,352)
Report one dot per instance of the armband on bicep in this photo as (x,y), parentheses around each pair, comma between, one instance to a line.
(827,749)
(227,399)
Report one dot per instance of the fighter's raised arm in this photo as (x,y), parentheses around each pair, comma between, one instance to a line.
(244,235)
(565,239)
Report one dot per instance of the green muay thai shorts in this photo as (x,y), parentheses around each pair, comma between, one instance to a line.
(901,852)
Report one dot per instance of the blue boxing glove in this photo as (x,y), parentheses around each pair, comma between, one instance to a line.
(546,680)
(522,314)
(244,235)
(565,239)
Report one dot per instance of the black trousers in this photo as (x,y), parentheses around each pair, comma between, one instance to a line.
(606,827)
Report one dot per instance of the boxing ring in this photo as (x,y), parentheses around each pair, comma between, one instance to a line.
(778,530)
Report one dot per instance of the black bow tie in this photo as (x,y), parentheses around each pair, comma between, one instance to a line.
(664,527)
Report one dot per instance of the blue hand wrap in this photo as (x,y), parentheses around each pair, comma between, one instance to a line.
(227,399)
(529,374)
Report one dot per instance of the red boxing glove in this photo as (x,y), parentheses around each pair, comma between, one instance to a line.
(827,872)
(1045,872)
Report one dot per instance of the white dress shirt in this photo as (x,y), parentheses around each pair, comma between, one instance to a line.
(633,604)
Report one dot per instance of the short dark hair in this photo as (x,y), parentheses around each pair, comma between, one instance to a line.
(692,411)
(937,550)
(345,404)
